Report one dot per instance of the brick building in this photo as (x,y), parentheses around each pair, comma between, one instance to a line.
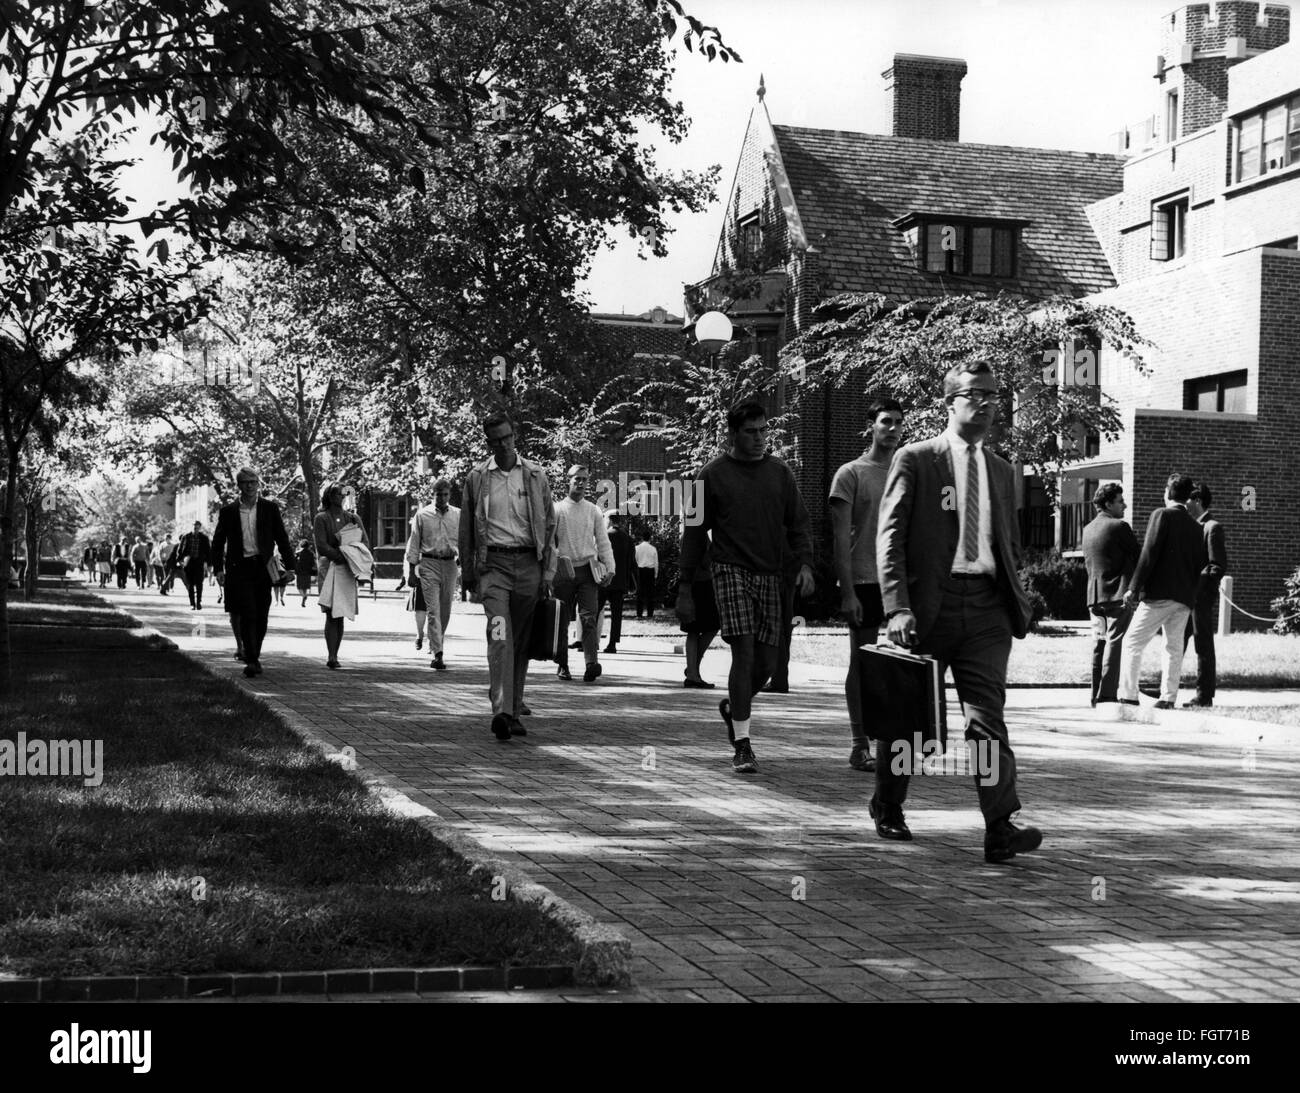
(1191,228)
(1202,240)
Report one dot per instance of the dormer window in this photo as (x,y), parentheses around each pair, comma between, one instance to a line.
(964,246)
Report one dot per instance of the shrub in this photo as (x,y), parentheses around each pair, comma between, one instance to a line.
(1060,583)
(1287,606)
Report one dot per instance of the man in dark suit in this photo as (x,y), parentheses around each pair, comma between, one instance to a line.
(1164,588)
(248,533)
(946,551)
(1110,551)
(194,552)
(1207,595)
(623,581)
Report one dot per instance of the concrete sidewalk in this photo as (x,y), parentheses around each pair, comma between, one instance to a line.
(1169,869)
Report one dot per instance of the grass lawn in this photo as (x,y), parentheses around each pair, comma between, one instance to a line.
(1051,656)
(205,793)
(1277,715)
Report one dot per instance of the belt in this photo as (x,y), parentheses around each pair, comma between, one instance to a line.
(970,576)
(441,557)
(511,549)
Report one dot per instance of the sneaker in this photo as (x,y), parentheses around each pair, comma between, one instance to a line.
(724,708)
(592,673)
(860,758)
(743,762)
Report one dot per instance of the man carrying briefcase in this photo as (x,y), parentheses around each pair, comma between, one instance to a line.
(947,550)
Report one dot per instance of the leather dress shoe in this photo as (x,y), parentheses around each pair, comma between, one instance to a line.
(517,727)
(563,673)
(501,726)
(1163,705)
(1198,704)
(592,673)
(1003,840)
(773,689)
(860,758)
(889,822)
(611,648)
(524,711)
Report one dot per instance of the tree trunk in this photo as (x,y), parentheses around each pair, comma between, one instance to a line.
(33,538)
(6,561)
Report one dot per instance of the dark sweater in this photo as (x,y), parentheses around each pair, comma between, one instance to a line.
(751,508)
(1172,557)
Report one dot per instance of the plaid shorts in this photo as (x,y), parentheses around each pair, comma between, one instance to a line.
(748,603)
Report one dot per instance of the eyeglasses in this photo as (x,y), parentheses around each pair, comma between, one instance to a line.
(978,398)
(497,440)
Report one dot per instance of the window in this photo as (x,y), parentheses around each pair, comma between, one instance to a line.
(1169,230)
(979,250)
(749,239)
(394,522)
(1171,116)
(1225,393)
(1268,140)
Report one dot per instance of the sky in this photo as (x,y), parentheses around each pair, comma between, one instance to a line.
(1041,74)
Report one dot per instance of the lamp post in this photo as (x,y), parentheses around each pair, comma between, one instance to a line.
(712,331)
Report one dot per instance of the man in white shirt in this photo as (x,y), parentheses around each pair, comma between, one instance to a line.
(647,572)
(586,566)
(431,554)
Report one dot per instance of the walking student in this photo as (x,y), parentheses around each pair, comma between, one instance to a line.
(431,557)
(752,507)
(344,552)
(647,572)
(586,564)
(857,491)
(1202,622)
(507,551)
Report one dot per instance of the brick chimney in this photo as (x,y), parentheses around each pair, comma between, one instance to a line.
(927,96)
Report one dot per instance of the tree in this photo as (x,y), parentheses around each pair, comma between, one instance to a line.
(1045,353)
(459,283)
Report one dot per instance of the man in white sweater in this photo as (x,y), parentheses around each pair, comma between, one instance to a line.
(586,565)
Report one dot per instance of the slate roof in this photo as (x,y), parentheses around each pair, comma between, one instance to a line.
(848,187)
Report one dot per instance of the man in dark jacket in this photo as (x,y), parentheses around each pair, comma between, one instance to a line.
(623,581)
(947,548)
(1110,551)
(194,553)
(1207,594)
(1164,588)
(247,536)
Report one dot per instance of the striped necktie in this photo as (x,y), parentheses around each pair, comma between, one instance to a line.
(970,540)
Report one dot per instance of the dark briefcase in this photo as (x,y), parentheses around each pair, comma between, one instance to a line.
(550,630)
(902,695)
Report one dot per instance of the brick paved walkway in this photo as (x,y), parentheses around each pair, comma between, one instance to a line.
(1169,870)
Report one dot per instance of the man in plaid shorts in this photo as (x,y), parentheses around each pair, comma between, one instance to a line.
(750,502)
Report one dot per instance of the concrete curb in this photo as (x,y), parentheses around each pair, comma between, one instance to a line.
(604,954)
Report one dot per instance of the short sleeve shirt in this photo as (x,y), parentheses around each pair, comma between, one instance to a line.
(861,484)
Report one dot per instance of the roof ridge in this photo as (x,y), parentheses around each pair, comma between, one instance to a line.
(973,145)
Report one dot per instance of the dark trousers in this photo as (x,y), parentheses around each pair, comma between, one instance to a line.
(645,592)
(194,584)
(972,636)
(1109,622)
(1201,625)
(615,600)
(248,595)
(141,571)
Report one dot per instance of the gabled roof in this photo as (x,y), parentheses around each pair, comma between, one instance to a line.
(850,187)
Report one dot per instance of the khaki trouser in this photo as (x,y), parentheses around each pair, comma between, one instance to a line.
(509,585)
(437,581)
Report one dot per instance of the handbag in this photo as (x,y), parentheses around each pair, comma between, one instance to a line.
(275,570)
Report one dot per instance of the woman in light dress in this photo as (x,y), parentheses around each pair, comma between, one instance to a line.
(336,530)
